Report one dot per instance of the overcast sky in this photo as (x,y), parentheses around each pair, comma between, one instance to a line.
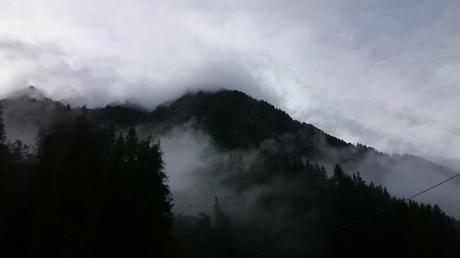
(384,73)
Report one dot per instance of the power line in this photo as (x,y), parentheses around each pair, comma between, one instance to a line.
(434,186)
(375,214)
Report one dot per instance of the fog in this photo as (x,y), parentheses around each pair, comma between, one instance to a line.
(405,176)
(381,73)
(198,171)
(192,191)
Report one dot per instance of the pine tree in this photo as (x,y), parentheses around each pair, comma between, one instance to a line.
(2,127)
(108,195)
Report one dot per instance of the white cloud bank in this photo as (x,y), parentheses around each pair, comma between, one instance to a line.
(384,73)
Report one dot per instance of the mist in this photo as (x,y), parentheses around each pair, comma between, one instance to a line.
(198,171)
(341,108)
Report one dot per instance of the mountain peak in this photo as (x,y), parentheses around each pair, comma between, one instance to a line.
(233,118)
(30,92)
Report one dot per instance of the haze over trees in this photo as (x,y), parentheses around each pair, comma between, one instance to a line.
(92,186)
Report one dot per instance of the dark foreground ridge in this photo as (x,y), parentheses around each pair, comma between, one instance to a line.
(92,187)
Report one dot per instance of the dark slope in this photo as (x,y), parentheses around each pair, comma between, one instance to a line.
(123,116)
(237,121)
(27,111)
(276,202)
(234,119)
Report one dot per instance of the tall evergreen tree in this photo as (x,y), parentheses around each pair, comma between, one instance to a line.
(2,127)
(100,196)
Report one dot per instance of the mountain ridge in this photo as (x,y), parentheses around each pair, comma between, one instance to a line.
(237,121)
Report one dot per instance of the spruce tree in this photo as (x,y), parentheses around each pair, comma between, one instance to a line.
(108,196)
(2,128)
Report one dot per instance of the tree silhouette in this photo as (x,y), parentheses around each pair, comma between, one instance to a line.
(2,127)
(100,196)
(95,191)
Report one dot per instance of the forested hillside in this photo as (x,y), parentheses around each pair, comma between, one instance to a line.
(92,183)
(85,192)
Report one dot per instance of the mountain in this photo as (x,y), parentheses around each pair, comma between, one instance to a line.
(281,188)
(30,92)
(232,118)
(28,110)
(236,121)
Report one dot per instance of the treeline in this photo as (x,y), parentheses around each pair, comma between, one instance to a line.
(84,192)
(88,191)
(300,211)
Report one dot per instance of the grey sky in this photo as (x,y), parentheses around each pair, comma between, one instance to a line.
(384,73)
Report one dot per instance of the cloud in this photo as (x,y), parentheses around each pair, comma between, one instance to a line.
(383,73)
